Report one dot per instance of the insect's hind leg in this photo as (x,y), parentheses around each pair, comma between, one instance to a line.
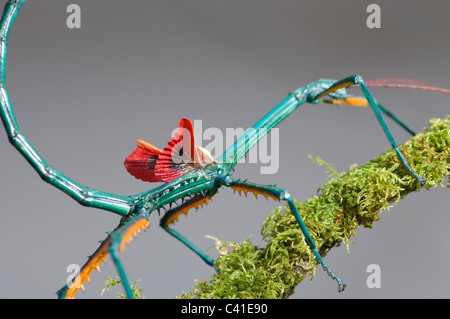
(114,244)
(172,215)
(70,290)
(123,235)
(356,79)
(280,194)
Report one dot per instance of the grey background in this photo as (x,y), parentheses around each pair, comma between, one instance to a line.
(83,97)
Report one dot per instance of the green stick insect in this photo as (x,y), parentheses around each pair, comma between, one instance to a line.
(190,176)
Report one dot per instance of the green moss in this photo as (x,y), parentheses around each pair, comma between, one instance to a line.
(348,200)
(113,283)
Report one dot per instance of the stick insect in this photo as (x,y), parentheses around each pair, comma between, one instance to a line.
(190,176)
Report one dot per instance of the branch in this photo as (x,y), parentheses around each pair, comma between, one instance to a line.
(348,200)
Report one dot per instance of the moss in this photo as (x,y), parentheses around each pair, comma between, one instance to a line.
(113,283)
(348,200)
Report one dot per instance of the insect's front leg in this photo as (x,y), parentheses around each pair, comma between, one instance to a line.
(361,101)
(356,79)
(282,195)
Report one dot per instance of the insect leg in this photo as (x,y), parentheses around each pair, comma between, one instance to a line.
(114,244)
(280,194)
(70,290)
(356,79)
(171,216)
(121,236)
(398,120)
(362,102)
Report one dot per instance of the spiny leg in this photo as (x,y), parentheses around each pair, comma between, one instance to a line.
(280,194)
(121,236)
(114,244)
(70,290)
(356,79)
(171,216)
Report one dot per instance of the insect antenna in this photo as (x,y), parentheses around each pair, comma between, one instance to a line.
(405,83)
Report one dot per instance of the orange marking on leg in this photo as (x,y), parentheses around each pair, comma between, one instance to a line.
(354,101)
(334,88)
(185,209)
(255,191)
(91,264)
(134,230)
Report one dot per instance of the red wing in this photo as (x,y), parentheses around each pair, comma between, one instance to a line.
(180,155)
(141,163)
(151,164)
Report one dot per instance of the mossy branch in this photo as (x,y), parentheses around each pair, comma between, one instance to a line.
(348,200)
